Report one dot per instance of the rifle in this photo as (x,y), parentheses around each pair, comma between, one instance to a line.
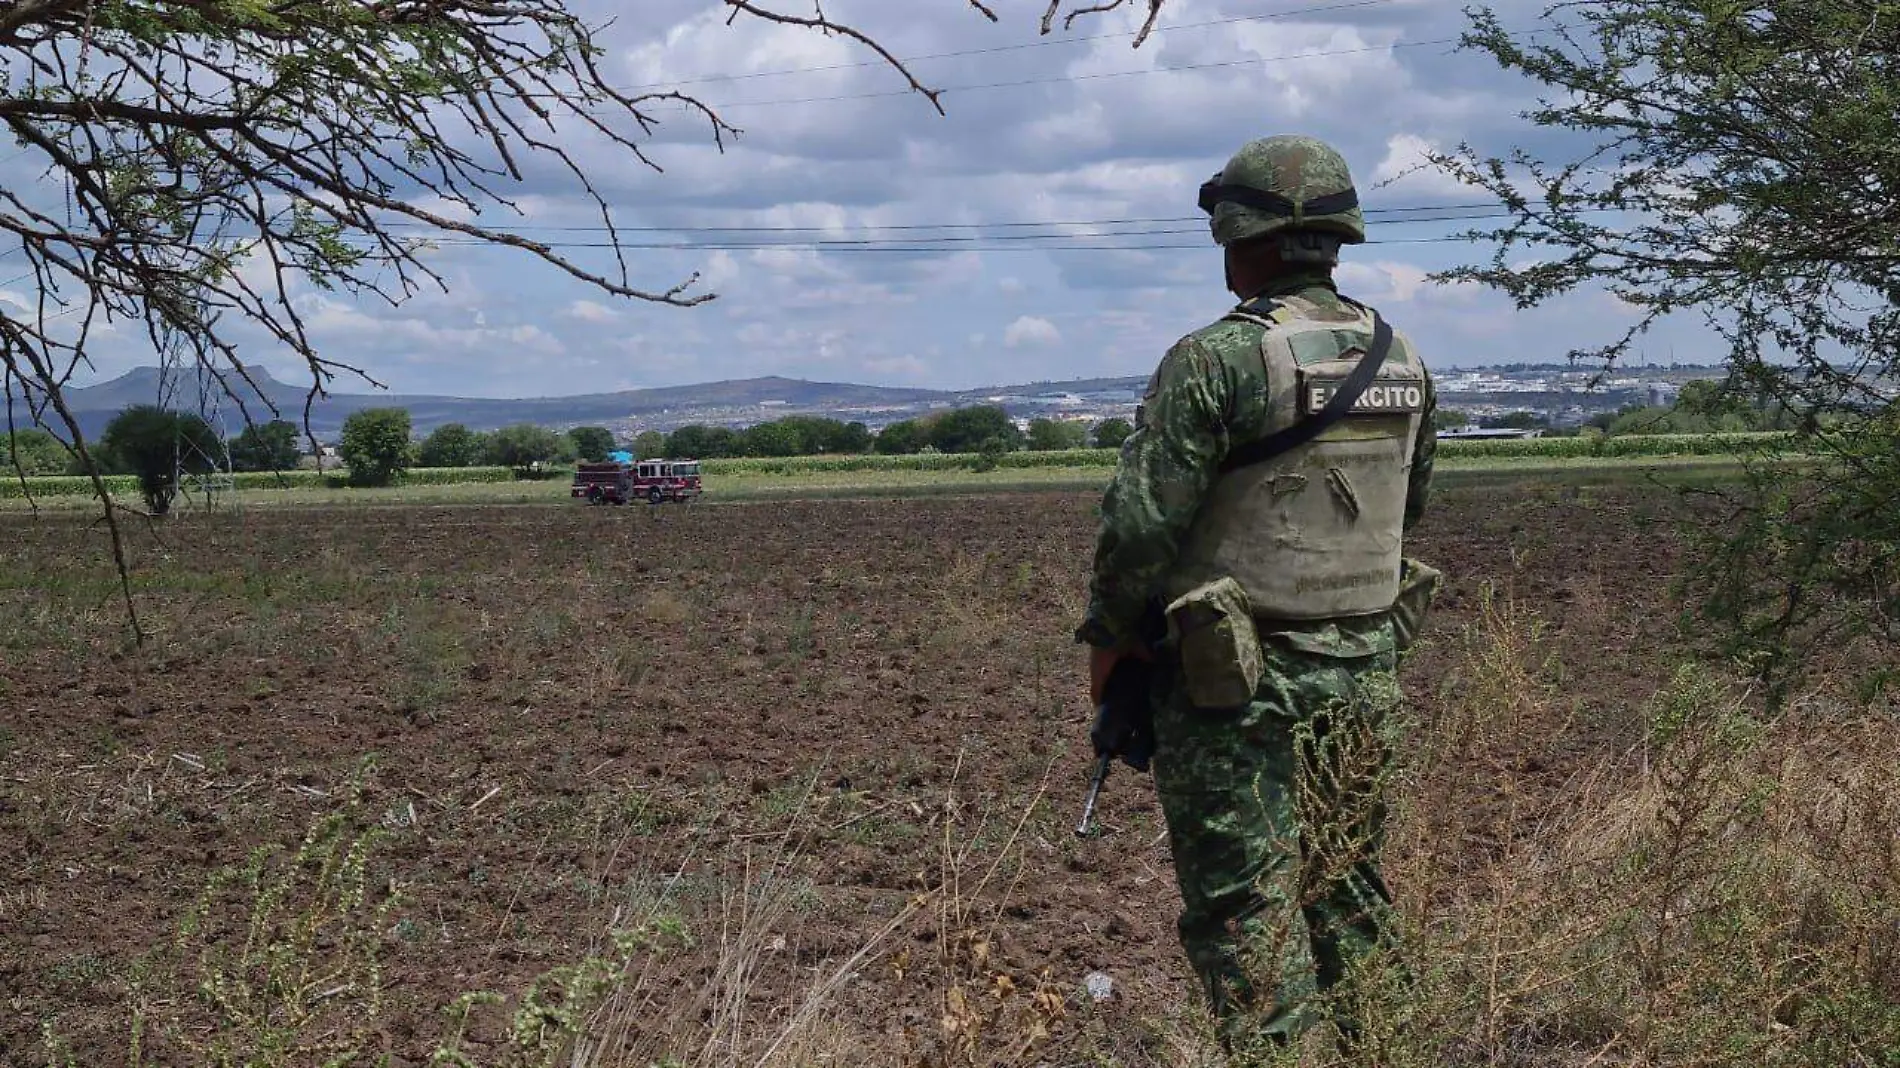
(1124,727)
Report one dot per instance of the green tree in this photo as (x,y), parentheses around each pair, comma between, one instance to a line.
(1734,162)
(814,433)
(702,442)
(1110,433)
(1449,419)
(270,447)
(157,445)
(1726,408)
(1049,435)
(34,452)
(649,444)
(1515,421)
(375,445)
(901,438)
(722,441)
(818,435)
(853,440)
(452,445)
(525,445)
(771,439)
(967,429)
(1651,419)
(592,443)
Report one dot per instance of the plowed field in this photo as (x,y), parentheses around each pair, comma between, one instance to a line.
(784,724)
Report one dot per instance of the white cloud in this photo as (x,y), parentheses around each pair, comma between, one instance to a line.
(1407,169)
(589,311)
(1031,330)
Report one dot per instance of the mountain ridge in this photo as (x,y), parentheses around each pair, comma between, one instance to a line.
(727,401)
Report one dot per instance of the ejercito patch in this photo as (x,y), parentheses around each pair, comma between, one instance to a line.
(1383,396)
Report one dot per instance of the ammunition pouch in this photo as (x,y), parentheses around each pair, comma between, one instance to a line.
(1418,585)
(1216,644)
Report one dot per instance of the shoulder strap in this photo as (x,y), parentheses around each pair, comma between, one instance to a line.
(1336,406)
(1259,311)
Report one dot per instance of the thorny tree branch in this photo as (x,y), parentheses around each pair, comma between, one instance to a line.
(203,164)
(13,448)
(1147,25)
(818,21)
(1738,163)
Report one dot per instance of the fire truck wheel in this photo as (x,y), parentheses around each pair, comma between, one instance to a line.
(656,495)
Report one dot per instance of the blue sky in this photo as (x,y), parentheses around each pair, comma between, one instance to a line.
(1092,131)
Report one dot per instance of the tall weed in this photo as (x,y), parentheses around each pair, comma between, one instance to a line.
(1724,892)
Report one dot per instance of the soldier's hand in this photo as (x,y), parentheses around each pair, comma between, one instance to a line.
(1102,660)
(1124,722)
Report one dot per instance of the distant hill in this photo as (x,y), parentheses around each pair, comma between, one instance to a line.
(732,401)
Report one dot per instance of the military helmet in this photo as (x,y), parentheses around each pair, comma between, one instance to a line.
(1285,184)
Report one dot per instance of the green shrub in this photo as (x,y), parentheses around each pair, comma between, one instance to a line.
(81,486)
(65,486)
(455,476)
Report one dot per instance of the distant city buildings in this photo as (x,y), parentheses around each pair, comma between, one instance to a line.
(1557,397)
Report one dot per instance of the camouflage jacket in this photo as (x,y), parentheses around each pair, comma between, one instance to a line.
(1208,394)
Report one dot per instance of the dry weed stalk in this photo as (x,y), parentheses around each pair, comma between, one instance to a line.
(1726,895)
(989,1013)
(275,963)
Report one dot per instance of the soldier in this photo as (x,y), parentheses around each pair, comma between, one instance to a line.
(1264,592)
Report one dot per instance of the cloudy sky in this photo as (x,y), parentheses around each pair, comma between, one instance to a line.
(979,266)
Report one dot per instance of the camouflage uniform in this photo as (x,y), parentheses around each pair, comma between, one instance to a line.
(1277,905)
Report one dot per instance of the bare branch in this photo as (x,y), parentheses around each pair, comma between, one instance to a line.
(13,447)
(1147,26)
(821,23)
(93,110)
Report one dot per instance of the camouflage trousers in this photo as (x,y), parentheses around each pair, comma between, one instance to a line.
(1275,816)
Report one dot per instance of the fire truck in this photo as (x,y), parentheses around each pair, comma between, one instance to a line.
(653,481)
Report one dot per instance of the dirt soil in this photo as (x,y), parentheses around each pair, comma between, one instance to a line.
(577,712)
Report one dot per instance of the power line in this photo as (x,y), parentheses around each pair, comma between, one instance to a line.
(950,242)
(1184,68)
(913,242)
(796,246)
(710,78)
(1370,213)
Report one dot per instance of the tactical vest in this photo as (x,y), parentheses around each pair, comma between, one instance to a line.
(1315,533)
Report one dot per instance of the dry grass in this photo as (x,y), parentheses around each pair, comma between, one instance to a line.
(1726,893)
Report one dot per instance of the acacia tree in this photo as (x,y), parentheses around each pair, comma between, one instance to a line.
(374,445)
(591,443)
(1736,162)
(202,159)
(157,446)
(451,445)
(271,447)
(525,445)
